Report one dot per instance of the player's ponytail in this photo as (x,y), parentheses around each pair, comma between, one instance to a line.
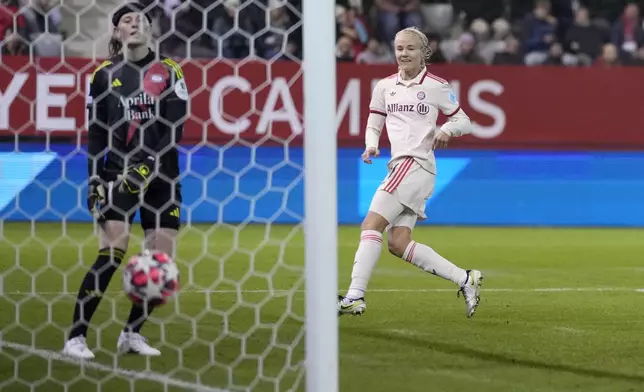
(115,46)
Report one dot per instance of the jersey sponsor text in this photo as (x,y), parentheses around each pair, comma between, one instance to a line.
(139,107)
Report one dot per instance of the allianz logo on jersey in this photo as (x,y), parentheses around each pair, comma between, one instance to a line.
(139,107)
(421,108)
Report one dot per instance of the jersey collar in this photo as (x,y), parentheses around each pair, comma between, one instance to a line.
(417,80)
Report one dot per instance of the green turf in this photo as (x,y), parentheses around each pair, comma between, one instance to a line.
(414,337)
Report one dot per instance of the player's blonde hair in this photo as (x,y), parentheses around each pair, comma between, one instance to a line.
(425,50)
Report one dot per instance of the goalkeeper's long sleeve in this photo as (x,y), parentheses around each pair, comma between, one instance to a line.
(97,133)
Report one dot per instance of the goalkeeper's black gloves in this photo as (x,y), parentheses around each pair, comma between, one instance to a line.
(137,177)
(95,196)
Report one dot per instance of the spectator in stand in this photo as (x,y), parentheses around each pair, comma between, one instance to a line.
(184,29)
(628,34)
(9,11)
(42,28)
(233,42)
(487,10)
(467,51)
(563,11)
(376,53)
(606,9)
(273,40)
(438,57)
(538,33)
(169,43)
(480,29)
(584,38)
(638,58)
(292,52)
(489,44)
(395,15)
(510,55)
(559,9)
(501,29)
(168,6)
(42,17)
(609,57)
(13,44)
(555,55)
(344,50)
(352,25)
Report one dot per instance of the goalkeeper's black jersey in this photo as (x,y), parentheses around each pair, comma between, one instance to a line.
(136,112)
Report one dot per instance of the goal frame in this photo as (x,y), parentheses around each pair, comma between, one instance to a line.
(320,196)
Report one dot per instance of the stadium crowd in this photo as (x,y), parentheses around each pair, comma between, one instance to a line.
(517,32)
(23,22)
(503,32)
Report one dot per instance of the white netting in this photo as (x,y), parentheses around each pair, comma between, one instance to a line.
(238,322)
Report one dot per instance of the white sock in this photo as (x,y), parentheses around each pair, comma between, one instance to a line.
(426,258)
(365,261)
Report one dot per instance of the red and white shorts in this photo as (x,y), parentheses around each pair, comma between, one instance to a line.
(402,195)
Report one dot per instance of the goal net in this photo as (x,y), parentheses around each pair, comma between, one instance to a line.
(238,322)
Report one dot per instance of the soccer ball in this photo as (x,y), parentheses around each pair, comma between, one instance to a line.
(150,278)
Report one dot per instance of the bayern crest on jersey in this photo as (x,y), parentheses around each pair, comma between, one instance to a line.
(421,95)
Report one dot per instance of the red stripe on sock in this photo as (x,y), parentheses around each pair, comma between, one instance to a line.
(410,255)
(371,237)
(403,168)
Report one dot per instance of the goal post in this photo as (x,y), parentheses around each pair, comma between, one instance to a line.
(320,195)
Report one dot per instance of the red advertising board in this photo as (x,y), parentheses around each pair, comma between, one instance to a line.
(512,107)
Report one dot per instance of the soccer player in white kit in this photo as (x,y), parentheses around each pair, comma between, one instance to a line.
(408,102)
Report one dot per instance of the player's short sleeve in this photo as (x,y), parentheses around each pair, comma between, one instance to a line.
(447,101)
(377,104)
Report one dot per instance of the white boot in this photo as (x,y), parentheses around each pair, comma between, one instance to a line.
(134,343)
(471,291)
(77,348)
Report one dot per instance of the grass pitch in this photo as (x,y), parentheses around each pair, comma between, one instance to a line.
(561,311)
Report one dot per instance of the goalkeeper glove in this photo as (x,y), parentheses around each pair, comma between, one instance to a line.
(137,177)
(95,196)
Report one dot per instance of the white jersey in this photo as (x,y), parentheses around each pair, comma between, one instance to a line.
(411,108)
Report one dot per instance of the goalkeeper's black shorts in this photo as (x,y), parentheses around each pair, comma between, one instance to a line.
(159,206)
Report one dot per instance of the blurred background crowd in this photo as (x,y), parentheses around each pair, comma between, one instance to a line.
(518,32)
(504,32)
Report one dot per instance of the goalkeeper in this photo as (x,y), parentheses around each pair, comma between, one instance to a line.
(137,107)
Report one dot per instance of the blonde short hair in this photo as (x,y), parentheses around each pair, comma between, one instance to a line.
(424,41)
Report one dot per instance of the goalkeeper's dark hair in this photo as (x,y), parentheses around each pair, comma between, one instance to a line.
(115,46)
